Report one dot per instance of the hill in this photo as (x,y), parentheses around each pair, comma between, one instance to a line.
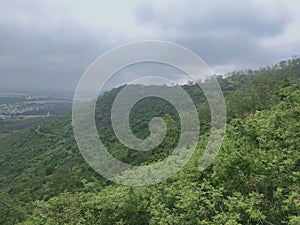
(254,180)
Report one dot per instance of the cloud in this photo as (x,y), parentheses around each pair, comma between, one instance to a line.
(42,52)
(49,44)
(223,33)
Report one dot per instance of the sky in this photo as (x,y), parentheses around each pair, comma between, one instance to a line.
(47,45)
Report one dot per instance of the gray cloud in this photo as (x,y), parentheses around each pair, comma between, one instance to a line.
(221,32)
(49,55)
(217,16)
(40,61)
(44,46)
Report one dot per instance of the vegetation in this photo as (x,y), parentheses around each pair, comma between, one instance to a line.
(254,180)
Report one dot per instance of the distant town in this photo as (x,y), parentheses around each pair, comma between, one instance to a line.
(29,105)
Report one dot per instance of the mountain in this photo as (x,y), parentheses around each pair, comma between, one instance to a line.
(255,178)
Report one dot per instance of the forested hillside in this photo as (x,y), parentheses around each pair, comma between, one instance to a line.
(255,178)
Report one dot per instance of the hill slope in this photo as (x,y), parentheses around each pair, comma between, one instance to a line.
(255,179)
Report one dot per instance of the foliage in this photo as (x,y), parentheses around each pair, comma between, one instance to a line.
(254,180)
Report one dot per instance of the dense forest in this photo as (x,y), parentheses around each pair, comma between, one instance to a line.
(255,178)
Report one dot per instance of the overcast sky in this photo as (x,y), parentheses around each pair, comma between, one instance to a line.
(49,44)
